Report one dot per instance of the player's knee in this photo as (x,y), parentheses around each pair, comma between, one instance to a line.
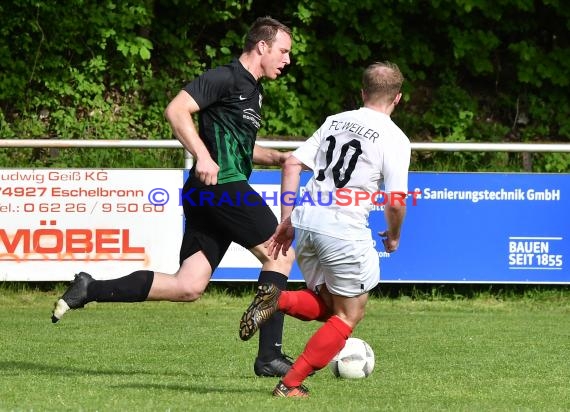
(287,260)
(191,281)
(189,291)
(359,317)
(282,265)
(351,318)
(190,294)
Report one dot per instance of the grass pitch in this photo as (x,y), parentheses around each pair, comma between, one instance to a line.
(477,354)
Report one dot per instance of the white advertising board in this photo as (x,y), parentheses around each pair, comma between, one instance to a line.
(58,222)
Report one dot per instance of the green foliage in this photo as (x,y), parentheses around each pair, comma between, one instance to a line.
(552,162)
(451,113)
(476,70)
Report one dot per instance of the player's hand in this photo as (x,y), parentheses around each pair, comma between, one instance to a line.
(281,240)
(390,243)
(207,170)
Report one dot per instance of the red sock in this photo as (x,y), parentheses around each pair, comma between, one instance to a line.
(303,304)
(327,341)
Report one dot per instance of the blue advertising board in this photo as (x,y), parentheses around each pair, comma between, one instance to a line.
(465,228)
(484,228)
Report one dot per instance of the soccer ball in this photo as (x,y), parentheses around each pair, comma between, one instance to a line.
(354,361)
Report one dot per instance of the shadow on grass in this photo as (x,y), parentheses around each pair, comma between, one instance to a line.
(189,388)
(19,366)
(8,368)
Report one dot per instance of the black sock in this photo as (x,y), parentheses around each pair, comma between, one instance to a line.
(271,333)
(131,288)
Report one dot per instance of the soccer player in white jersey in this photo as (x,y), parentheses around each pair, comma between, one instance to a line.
(353,152)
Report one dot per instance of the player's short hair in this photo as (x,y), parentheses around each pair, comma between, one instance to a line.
(382,80)
(263,28)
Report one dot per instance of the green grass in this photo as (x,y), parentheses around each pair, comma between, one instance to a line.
(446,354)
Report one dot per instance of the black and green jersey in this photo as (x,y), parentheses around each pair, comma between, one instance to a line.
(229,98)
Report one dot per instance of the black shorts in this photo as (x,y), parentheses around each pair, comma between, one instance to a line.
(220,214)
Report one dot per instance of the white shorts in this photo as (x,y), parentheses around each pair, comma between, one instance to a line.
(348,267)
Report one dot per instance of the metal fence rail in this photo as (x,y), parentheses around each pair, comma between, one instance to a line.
(281,144)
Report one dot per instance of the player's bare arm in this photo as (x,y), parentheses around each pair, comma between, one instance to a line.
(179,114)
(266,156)
(283,237)
(394,215)
(290,178)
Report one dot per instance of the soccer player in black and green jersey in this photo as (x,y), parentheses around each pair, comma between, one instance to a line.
(228,101)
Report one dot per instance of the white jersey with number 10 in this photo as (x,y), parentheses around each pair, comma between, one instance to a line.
(352,154)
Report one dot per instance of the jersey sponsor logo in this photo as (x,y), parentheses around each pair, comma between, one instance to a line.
(251,115)
(241,97)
